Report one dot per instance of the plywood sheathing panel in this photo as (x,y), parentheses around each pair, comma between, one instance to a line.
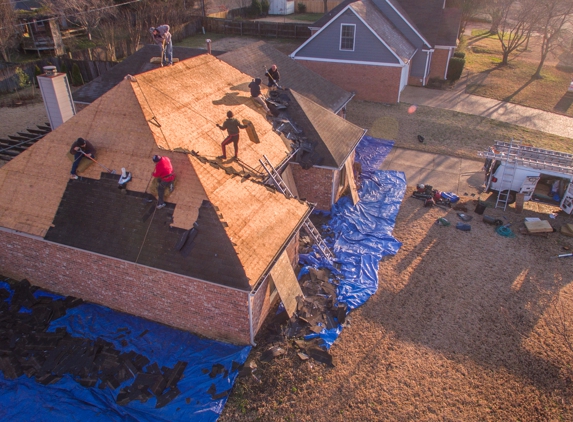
(286,283)
(259,220)
(188,100)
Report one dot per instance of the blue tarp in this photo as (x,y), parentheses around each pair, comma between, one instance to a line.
(363,232)
(23,399)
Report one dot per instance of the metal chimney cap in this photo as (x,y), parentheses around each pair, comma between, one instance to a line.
(50,70)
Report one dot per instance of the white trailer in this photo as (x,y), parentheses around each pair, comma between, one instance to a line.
(512,168)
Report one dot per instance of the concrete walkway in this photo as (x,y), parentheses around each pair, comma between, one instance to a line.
(458,100)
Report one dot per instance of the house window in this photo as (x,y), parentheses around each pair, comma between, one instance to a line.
(347,37)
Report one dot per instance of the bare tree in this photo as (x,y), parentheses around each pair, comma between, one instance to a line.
(517,21)
(88,13)
(9,32)
(470,9)
(555,15)
(493,9)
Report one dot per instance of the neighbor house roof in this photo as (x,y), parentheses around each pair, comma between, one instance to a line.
(135,64)
(255,58)
(243,225)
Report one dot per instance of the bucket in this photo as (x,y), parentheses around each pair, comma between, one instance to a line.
(480,208)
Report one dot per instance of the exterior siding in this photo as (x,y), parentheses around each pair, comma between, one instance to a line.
(314,185)
(418,64)
(367,47)
(182,302)
(371,83)
(440,61)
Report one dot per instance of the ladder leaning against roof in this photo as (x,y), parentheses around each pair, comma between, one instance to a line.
(308,226)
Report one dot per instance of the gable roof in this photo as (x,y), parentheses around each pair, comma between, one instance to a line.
(162,111)
(378,24)
(134,64)
(436,25)
(335,137)
(255,58)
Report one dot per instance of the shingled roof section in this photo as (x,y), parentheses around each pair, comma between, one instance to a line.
(335,137)
(166,110)
(135,64)
(255,58)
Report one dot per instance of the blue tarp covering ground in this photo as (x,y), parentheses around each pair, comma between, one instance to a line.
(23,399)
(363,232)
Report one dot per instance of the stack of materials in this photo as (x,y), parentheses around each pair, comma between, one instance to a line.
(535,226)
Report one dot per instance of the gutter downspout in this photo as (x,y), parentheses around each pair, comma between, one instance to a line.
(251,329)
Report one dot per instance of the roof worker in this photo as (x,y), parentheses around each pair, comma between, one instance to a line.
(273,76)
(256,95)
(232,125)
(162,37)
(80,149)
(165,177)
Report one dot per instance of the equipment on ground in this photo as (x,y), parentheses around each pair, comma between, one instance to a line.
(101,165)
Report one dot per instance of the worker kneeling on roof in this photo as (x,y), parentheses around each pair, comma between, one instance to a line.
(255,87)
(80,149)
(165,177)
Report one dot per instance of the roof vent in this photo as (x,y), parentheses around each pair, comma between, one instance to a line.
(50,70)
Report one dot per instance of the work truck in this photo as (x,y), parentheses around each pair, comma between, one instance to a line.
(540,174)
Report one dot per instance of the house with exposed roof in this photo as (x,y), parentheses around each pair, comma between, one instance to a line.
(376,47)
(214,259)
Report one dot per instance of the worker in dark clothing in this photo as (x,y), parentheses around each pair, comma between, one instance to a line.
(273,75)
(165,177)
(256,95)
(80,149)
(162,37)
(232,126)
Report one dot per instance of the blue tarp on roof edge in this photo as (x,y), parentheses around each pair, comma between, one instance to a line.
(23,399)
(363,232)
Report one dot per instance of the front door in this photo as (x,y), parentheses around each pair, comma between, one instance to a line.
(567,202)
(528,186)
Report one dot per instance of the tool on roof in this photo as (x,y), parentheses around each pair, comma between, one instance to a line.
(94,160)
(273,79)
(148,197)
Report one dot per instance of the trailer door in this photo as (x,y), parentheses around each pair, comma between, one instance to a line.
(528,186)
(567,202)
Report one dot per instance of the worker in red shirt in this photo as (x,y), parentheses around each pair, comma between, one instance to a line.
(165,177)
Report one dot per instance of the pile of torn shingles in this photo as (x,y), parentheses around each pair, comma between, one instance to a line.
(316,311)
(27,348)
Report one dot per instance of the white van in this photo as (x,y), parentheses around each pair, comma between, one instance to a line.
(540,174)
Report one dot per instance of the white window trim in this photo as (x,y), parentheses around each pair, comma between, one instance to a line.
(353,37)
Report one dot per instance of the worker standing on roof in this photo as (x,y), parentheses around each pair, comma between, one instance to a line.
(165,177)
(273,75)
(162,37)
(255,87)
(232,125)
(79,149)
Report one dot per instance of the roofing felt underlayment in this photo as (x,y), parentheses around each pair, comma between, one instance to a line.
(165,110)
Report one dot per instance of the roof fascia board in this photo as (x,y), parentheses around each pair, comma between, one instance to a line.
(377,36)
(345,103)
(352,150)
(444,47)
(314,59)
(293,54)
(408,23)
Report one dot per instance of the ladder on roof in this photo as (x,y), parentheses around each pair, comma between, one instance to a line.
(308,226)
(536,158)
(508,174)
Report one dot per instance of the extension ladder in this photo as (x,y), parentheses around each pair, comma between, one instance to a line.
(308,226)
(508,174)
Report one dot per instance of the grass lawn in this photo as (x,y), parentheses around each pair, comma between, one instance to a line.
(309,17)
(514,82)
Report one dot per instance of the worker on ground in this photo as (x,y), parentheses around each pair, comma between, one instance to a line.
(255,87)
(165,177)
(232,126)
(273,76)
(80,149)
(162,37)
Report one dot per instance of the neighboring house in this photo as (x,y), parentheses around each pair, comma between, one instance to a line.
(213,260)
(377,47)
(40,30)
(321,172)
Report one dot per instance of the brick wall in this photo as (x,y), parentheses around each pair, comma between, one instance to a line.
(371,83)
(314,185)
(203,308)
(439,64)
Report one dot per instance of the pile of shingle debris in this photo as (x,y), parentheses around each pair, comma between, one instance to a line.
(316,311)
(27,348)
